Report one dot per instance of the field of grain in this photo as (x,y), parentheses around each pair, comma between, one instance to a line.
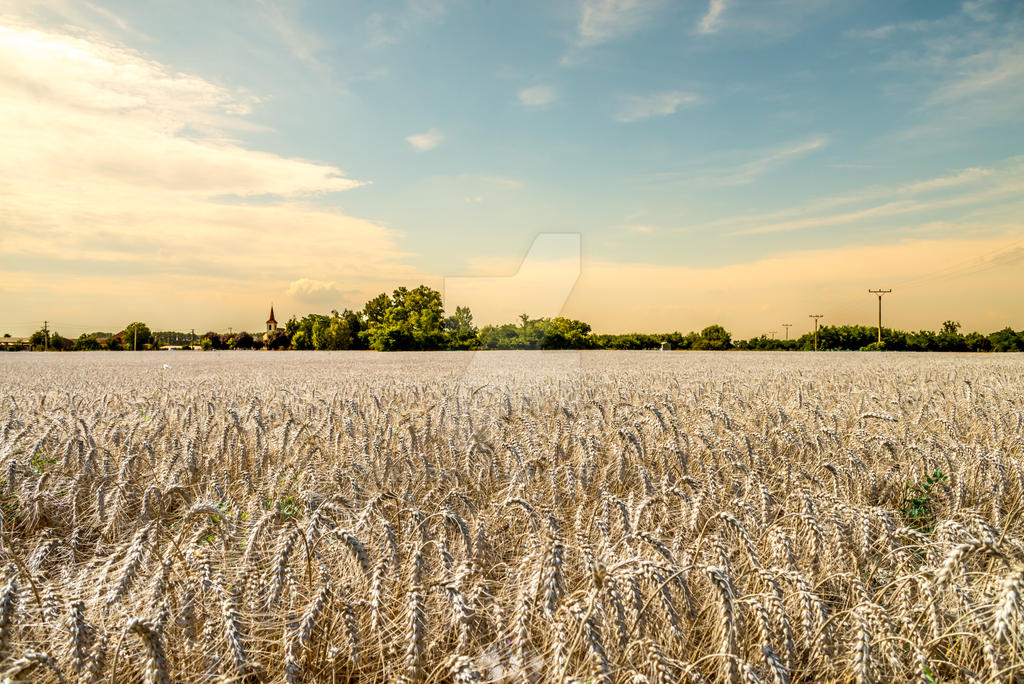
(511,517)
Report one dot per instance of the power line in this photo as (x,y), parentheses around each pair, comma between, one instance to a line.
(816,317)
(880,293)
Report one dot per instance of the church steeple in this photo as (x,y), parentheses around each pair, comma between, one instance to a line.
(271,322)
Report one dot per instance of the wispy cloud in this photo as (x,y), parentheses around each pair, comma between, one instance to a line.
(983,72)
(639,228)
(537,96)
(963,70)
(638,107)
(302,42)
(426,141)
(750,171)
(979,10)
(967,188)
(712,20)
(391,27)
(601,21)
(822,209)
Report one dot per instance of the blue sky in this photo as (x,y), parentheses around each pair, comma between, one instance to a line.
(706,153)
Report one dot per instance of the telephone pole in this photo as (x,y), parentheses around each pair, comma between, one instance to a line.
(135,339)
(772,333)
(787,326)
(879,293)
(46,337)
(816,317)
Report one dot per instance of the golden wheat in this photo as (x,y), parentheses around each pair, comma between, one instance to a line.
(518,517)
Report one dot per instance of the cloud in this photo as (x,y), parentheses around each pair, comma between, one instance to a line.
(710,175)
(639,228)
(302,42)
(983,72)
(426,141)
(537,96)
(638,107)
(711,22)
(988,187)
(392,27)
(751,170)
(120,184)
(312,290)
(979,10)
(601,21)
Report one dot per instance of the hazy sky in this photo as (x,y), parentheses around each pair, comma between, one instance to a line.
(740,162)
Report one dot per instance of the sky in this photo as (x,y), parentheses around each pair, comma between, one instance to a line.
(644,165)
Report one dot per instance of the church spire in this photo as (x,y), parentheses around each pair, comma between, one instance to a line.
(271,322)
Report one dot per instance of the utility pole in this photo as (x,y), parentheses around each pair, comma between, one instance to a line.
(772,333)
(46,337)
(787,326)
(192,339)
(879,293)
(815,317)
(135,339)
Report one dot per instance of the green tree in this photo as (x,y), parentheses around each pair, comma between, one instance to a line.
(713,337)
(459,329)
(59,343)
(408,320)
(137,335)
(277,339)
(40,339)
(1007,340)
(375,309)
(241,340)
(302,340)
(86,342)
(216,341)
(566,333)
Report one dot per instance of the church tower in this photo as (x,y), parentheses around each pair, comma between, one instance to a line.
(271,322)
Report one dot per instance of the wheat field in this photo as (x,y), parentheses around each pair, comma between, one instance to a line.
(511,517)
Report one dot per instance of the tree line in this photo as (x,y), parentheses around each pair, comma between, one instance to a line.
(415,320)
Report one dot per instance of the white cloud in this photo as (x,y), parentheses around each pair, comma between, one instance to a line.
(302,42)
(748,172)
(391,27)
(712,20)
(118,181)
(604,20)
(639,228)
(984,189)
(426,141)
(312,290)
(979,10)
(537,96)
(638,107)
(886,194)
(983,72)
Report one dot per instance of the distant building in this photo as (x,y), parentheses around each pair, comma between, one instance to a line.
(666,346)
(271,322)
